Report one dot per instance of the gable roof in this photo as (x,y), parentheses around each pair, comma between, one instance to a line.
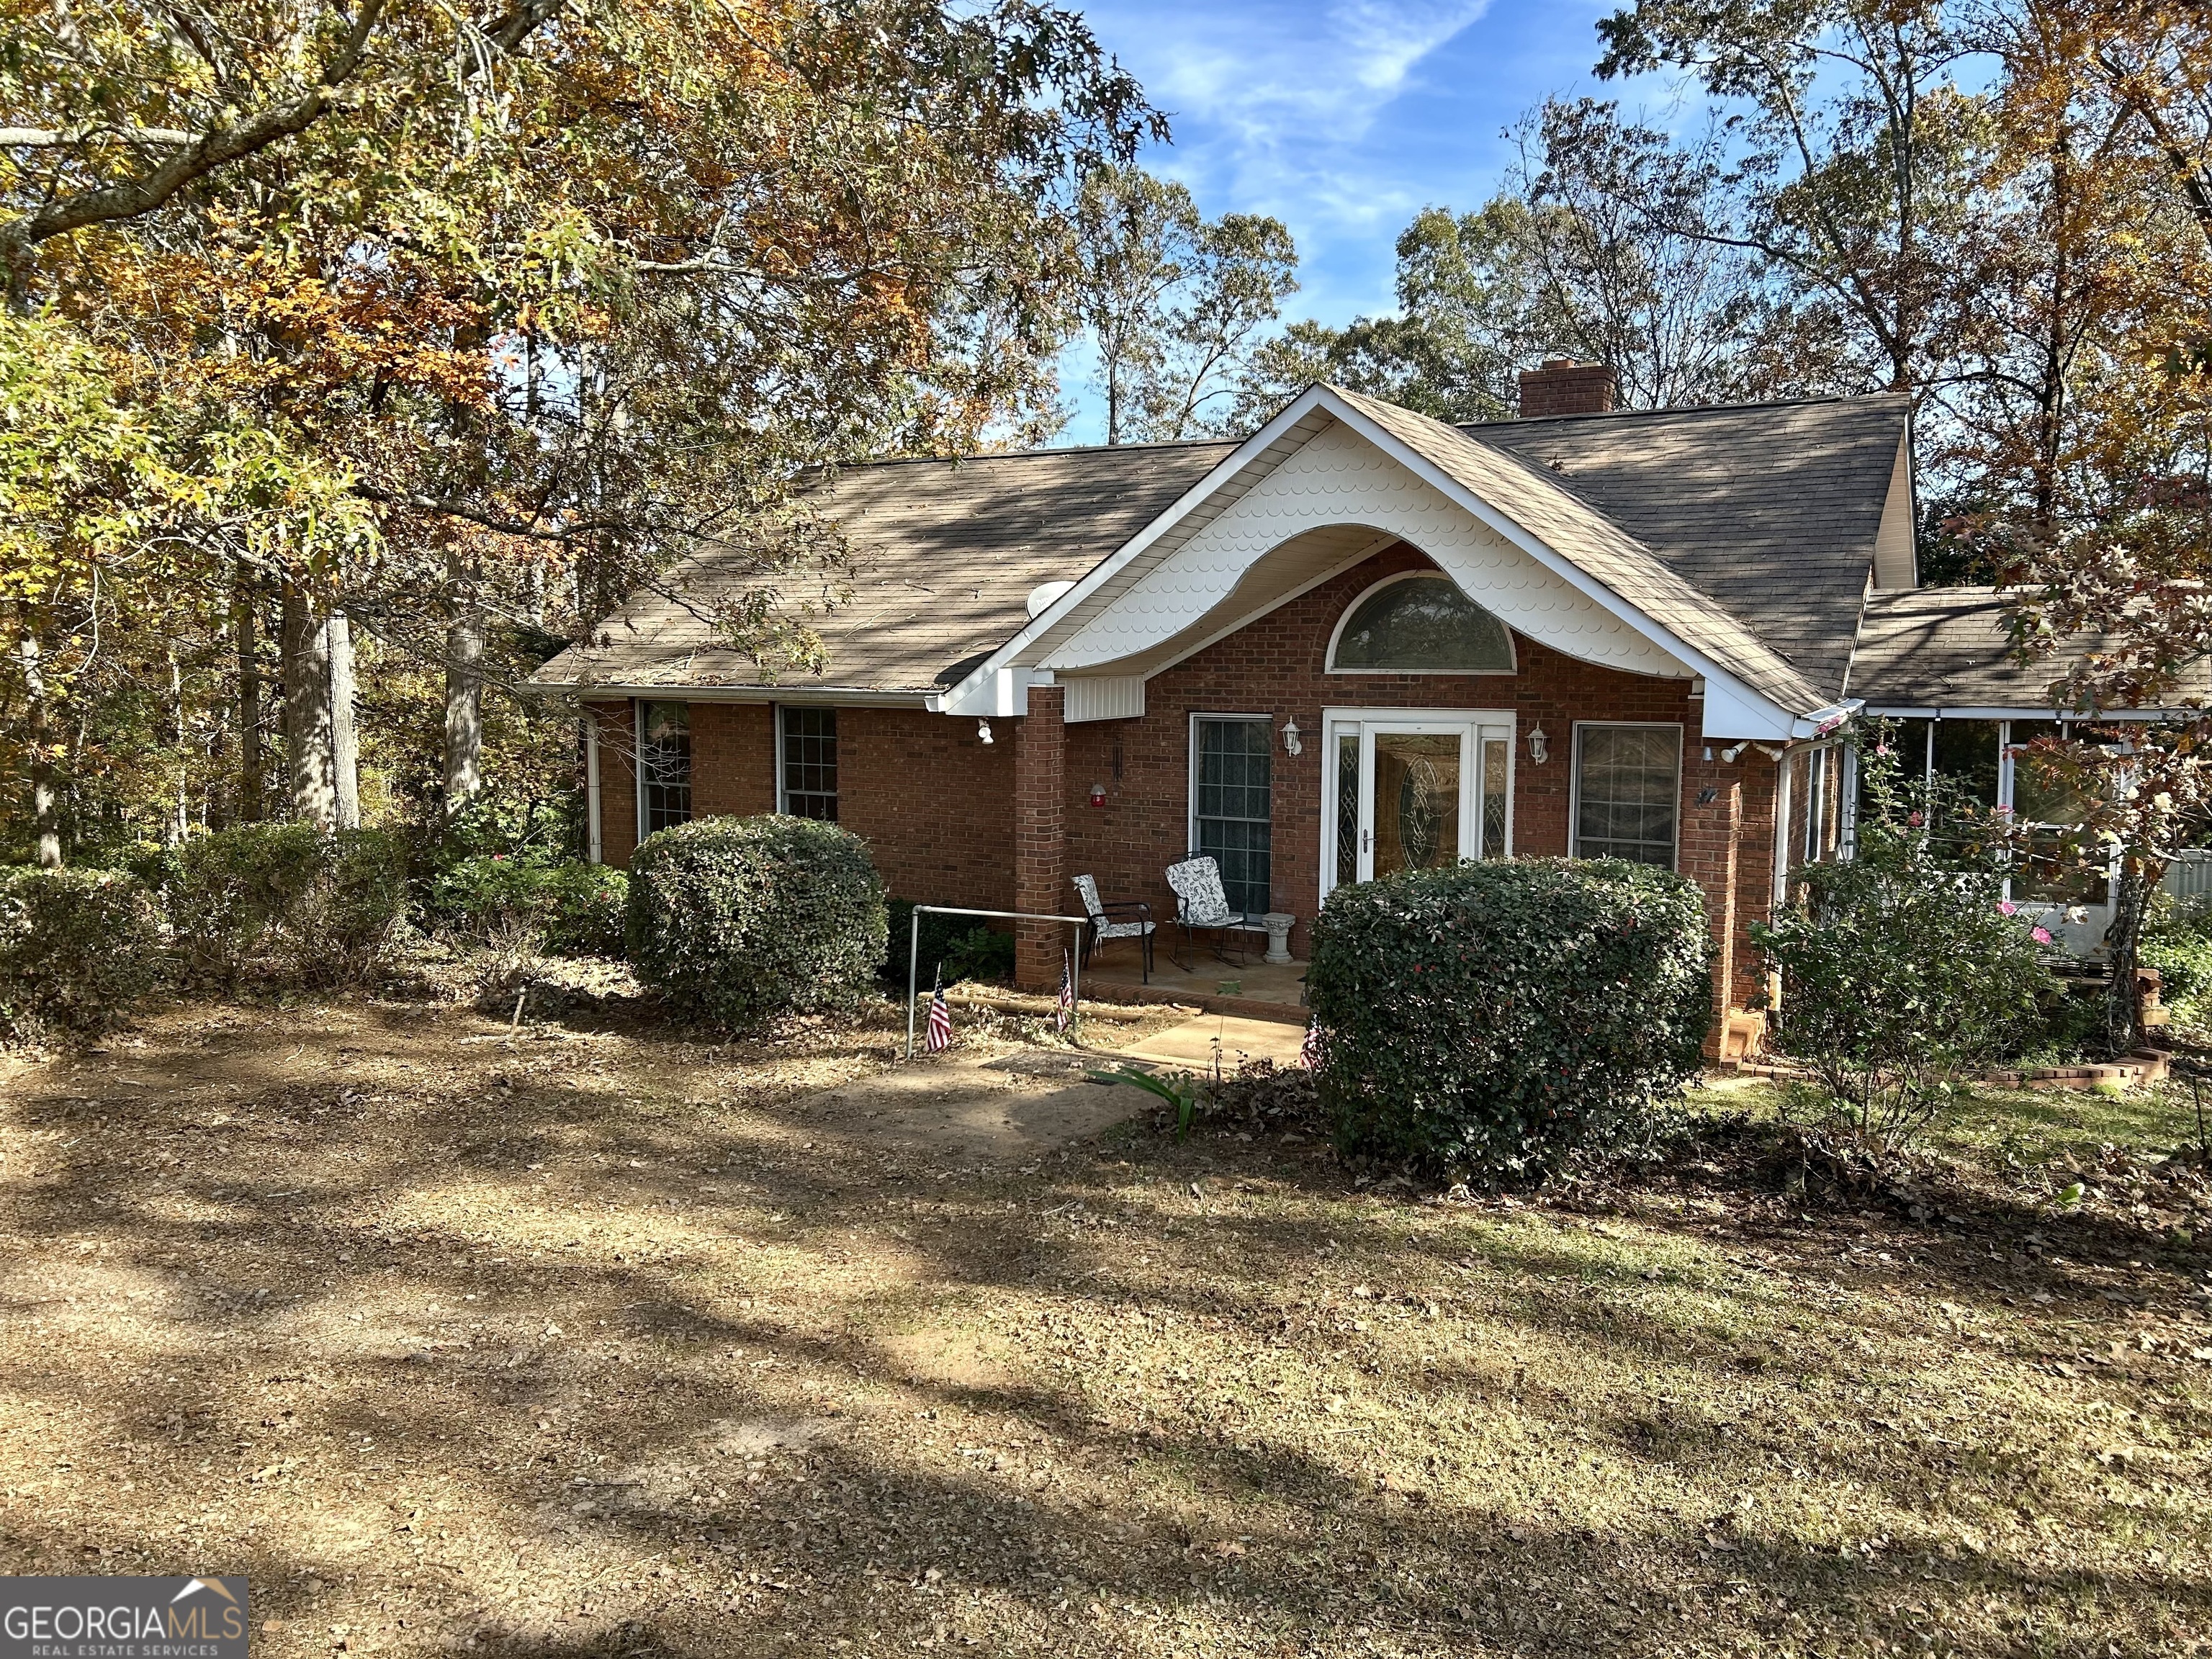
(1771,508)
(945,554)
(1569,525)
(1747,533)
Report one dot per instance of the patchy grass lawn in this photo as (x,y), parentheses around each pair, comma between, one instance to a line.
(608,1343)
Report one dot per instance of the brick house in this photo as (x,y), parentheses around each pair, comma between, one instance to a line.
(1358,640)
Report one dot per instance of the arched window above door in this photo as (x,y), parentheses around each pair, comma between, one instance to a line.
(1420,624)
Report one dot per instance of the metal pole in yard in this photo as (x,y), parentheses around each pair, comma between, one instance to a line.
(913,968)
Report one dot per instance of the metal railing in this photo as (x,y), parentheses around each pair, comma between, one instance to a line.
(914,955)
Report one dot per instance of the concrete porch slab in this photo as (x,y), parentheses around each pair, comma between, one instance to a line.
(1264,990)
(1191,1044)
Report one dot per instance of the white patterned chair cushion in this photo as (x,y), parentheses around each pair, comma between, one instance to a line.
(1200,900)
(1087,886)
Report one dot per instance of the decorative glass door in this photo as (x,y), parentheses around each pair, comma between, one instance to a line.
(1416,792)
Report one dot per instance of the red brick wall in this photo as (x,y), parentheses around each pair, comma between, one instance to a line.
(1041,850)
(943,814)
(928,797)
(617,733)
(1276,667)
(733,759)
(932,801)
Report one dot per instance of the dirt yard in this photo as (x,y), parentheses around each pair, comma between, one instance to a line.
(603,1343)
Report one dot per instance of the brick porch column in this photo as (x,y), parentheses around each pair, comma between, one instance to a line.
(1711,845)
(1041,839)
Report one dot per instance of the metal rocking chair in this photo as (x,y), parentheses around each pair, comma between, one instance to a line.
(1202,905)
(1104,928)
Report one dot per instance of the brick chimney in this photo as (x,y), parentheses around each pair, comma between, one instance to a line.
(1564,387)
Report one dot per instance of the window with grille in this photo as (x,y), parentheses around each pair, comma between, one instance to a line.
(663,753)
(1628,791)
(810,763)
(1231,812)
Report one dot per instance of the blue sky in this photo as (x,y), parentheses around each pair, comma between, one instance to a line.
(1343,117)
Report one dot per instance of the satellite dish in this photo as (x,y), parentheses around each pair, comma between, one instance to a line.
(1045,595)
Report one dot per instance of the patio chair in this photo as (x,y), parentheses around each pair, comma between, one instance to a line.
(1202,906)
(1103,926)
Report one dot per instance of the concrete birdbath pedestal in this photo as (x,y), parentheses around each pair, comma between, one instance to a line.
(1279,927)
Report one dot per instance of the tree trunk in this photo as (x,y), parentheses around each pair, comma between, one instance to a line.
(345,748)
(463,696)
(2123,950)
(38,764)
(180,813)
(245,611)
(307,672)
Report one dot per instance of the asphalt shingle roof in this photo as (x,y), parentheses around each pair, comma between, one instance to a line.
(1749,531)
(1937,648)
(1772,509)
(1568,523)
(946,554)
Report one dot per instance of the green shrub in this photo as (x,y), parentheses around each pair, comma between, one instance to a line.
(1492,1017)
(2071,1026)
(345,918)
(574,908)
(958,946)
(78,948)
(736,920)
(228,892)
(2183,961)
(321,905)
(589,903)
(1902,968)
(1893,981)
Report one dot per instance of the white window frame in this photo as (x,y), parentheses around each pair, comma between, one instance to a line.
(1512,651)
(776,711)
(1575,781)
(1190,780)
(637,763)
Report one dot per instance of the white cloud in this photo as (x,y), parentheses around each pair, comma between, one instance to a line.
(1276,74)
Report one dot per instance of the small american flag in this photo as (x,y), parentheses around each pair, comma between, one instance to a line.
(940,1020)
(1310,1050)
(1064,1015)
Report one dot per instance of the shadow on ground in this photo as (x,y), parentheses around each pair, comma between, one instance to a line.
(610,1343)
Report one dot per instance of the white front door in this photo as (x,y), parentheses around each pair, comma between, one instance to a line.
(1414,790)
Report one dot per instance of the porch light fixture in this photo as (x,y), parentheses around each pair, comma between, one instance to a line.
(1729,754)
(1539,746)
(982,731)
(1291,744)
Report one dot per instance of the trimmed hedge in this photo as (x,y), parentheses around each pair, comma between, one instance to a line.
(326,902)
(575,909)
(1489,1018)
(736,921)
(78,949)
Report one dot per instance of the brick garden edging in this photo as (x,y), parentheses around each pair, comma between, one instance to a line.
(2136,1069)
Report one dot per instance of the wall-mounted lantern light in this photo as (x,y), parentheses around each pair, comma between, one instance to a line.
(1292,745)
(1539,746)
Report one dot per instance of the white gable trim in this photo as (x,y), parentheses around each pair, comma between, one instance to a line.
(1729,700)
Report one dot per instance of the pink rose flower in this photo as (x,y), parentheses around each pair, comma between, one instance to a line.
(2040,935)
(2006,906)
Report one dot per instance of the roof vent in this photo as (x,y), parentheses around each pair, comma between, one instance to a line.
(1045,595)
